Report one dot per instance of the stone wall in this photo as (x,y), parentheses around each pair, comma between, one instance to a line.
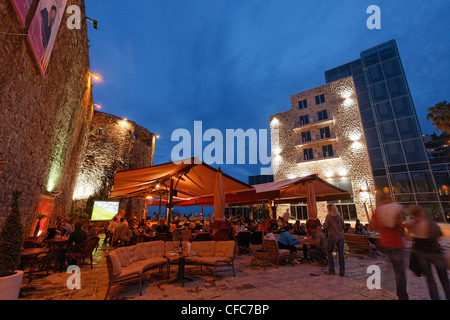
(44,121)
(114,145)
(351,160)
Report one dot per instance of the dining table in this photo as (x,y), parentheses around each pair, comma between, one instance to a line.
(57,246)
(304,244)
(30,258)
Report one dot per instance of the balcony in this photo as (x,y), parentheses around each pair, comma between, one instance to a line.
(318,157)
(317,140)
(313,122)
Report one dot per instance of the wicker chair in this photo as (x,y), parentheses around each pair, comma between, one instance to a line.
(80,252)
(276,254)
(138,238)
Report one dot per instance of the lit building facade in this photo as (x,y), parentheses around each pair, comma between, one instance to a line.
(398,157)
(322,134)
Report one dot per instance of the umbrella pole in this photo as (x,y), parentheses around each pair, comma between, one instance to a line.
(170,204)
(159,210)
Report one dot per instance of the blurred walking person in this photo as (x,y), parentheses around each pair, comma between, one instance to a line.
(425,234)
(387,221)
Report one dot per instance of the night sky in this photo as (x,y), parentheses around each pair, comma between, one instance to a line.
(233,63)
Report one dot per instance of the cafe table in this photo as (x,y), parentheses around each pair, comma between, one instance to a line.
(57,245)
(181,263)
(304,245)
(30,257)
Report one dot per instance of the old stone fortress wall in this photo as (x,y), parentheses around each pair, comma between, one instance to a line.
(49,131)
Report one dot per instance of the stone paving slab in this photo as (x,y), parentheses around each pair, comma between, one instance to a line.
(299,282)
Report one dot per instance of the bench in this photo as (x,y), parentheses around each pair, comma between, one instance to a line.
(208,253)
(127,264)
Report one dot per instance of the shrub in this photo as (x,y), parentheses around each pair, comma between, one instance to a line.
(11,238)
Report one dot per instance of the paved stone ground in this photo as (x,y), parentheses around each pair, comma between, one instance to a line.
(299,282)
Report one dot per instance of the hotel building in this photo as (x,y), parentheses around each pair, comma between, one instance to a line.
(322,134)
(360,132)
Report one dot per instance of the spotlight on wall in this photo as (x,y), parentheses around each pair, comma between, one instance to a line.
(157,136)
(94,76)
(97,106)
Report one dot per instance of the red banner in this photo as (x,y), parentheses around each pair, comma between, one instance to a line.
(45,207)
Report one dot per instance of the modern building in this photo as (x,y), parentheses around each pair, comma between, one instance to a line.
(398,157)
(322,134)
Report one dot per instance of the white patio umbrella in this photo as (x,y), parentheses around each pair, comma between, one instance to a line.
(219,197)
(311,201)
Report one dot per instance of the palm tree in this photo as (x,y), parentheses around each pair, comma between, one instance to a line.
(439,114)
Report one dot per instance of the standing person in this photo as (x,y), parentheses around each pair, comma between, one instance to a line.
(425,234)
(334,224)
(387,221)
(319,253)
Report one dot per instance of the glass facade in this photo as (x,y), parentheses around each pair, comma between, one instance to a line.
(394,140)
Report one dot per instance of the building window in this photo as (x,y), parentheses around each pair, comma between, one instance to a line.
(300,212)
(306,136)
(308,154)
(327,151)
(325,133)
(303,104)
(304,119)
(100,131)
(322,115)
(348,211)
(320,99)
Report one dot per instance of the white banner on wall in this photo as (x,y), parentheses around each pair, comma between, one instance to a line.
(43,30)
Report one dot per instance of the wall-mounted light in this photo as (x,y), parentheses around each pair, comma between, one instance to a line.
(94,22)
(157,136)
(275,121)
(97,106)
(95,77)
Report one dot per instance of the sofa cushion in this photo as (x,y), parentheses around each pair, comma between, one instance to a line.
(144,250)
(224,249)
(116,267)
(133,254)
(158,249)
(152,263)
(204,248)
(122,254)
(283,251)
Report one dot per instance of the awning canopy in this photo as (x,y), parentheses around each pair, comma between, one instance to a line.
(190,181)
(280,192)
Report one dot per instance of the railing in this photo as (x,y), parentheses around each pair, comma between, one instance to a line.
(313,121)
(317,139)
(319,157)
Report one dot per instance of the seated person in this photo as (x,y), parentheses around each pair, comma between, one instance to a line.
(287,241)
(162,227)
(319,253)
(129,232)
(76,237)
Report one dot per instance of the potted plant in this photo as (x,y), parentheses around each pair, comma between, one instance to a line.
(11,243)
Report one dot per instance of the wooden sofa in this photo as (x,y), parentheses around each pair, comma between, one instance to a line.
(127,264)
(208,253)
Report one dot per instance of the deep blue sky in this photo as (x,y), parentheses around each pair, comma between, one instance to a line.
(233,63)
